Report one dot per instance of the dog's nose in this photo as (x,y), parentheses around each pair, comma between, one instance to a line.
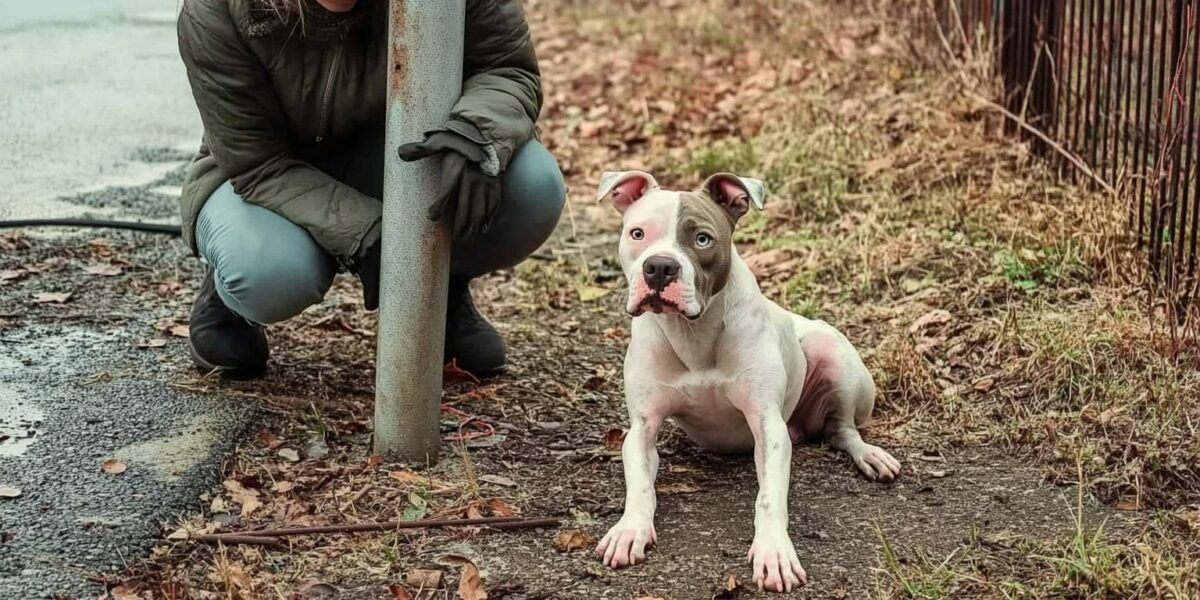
(660,271)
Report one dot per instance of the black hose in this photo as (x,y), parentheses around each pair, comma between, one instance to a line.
(130,225)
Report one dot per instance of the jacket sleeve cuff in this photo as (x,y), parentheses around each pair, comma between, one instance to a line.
(490,165)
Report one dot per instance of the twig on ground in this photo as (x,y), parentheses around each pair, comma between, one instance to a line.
(230,539)
(267,536)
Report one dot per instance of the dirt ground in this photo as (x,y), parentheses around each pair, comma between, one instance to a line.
(1045,420)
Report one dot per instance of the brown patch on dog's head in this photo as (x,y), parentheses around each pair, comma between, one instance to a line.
(705,235)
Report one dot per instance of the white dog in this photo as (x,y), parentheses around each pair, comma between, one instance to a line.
(733,369)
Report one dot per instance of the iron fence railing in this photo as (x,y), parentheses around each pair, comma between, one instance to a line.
(1112,84)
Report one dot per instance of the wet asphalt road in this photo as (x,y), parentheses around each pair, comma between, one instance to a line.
(86,88)
(72,521)
(95,119)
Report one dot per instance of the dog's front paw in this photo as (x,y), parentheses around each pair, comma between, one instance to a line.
(776,567)
(625,544)
(876,463)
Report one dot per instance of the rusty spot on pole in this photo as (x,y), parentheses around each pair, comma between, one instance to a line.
(399,36)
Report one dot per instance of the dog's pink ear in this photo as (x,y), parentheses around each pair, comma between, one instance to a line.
(625,187)
(735,194)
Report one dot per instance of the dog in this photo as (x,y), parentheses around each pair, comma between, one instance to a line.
(733,370)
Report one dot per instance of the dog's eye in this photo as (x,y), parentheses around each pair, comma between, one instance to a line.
(703,240)
(637,233)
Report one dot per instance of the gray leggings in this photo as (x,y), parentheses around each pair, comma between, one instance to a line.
(267,269)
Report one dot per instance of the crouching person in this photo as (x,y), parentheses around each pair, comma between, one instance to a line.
(286,189)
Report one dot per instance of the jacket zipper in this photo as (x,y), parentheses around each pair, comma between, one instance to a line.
(337,61)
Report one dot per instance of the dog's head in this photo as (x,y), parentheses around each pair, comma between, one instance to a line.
(677,247)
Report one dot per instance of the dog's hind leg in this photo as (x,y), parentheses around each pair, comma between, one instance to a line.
(853,401)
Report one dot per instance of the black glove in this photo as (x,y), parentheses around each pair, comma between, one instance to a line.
(366,266)
(466,194)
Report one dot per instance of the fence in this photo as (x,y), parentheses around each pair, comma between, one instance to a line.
(1112,84)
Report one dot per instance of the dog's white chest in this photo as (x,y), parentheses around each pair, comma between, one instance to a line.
(708,414)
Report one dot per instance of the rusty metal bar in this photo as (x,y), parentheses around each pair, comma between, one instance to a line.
(1192,37)
(1146,108)
(424,82)
(1194,141)
(1080,84)
(1127,105)
(1161,124)
(1109,133)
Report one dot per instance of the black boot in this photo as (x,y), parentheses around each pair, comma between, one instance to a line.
(472,342)
(221,340)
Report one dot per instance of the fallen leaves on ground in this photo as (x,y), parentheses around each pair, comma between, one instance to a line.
(113,466)
(123,593)
(614,438)
(247,498)
(591,293)
(268,440)
(424,579)
(568,540)
(498,480)
(51,297)
(400,592)
(470,586)
(150,343)
(677,488)
(103,270)
(8,491)
(289,455)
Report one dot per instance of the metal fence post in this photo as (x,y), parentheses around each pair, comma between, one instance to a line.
(424,82)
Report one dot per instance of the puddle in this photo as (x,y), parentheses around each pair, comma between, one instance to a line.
(19,421)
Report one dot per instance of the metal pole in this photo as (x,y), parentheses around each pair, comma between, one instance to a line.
(424,82)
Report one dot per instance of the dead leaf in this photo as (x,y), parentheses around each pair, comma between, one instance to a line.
(182,331)
(729,589)
(400,592)
(470,587)
(8,491)
(573,539)
(409,477)
(283,487)
(675,469)
(590,293)
(932,317)
(614,438)
(113,466)
(179,535)
(266,438)
(103,270)
(984,384)
(424,579)
(374,460)
(52,297)
(938,474)
(289,455)
(121,592)
(151,343)
(500,508)
(12,274)
(1128,505)
(677,488)
(498,480)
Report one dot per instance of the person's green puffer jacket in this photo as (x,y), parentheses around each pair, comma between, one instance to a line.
(276,96)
